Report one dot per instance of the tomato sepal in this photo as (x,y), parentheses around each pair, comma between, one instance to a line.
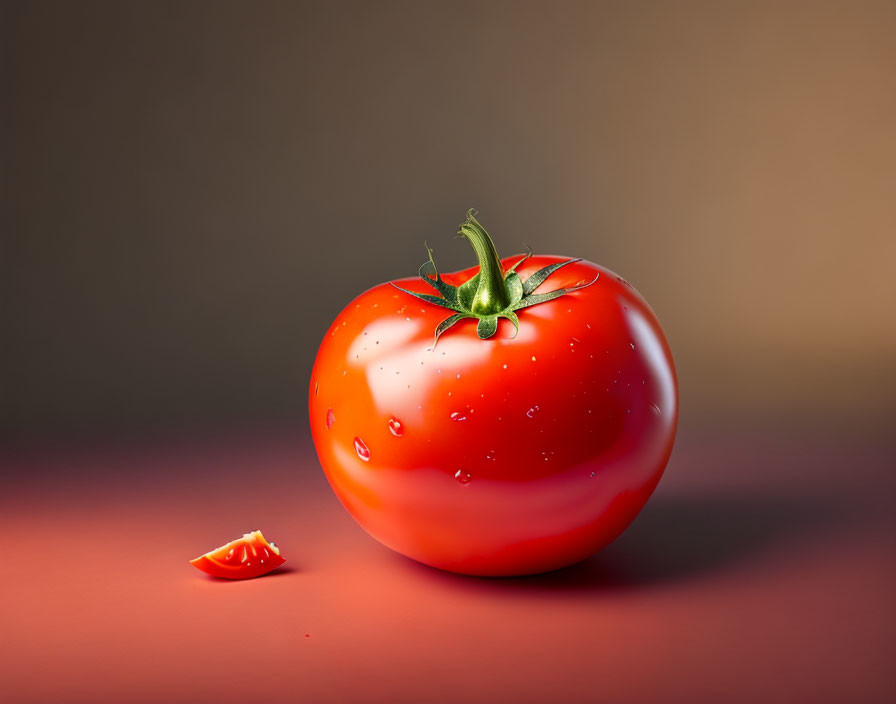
(491,293)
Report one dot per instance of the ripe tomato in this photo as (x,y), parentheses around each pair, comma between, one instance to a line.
(243,558)
(474,446)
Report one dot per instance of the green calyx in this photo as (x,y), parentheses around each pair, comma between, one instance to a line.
(491,293)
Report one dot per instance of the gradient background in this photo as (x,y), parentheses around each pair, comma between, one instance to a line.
(192,191)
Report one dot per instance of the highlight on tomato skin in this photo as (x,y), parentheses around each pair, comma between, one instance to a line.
(246,557)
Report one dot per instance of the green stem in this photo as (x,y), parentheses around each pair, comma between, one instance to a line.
(491,293)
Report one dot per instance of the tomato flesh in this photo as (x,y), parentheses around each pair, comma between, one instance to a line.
(244,558)
(503,456)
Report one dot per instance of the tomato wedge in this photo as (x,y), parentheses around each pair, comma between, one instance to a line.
(244,558)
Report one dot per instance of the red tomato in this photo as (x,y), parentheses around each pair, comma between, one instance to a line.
(508,455)
(243,558)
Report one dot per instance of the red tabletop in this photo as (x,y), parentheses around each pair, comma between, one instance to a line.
(762,570)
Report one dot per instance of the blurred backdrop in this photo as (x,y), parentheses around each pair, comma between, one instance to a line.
(192,191)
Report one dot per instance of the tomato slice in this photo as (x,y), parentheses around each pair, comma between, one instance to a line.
(244,558)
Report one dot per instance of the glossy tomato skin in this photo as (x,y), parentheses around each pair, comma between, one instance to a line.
(505,456)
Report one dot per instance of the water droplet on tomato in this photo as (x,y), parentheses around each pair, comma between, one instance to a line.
(532,411)
(656,409)
(395,427)
(229,555)
(330,418)
(632,345)
(592,474)
(362,450)
(459,415)
(463,476)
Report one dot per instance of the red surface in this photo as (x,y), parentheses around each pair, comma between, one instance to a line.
(514,457)
(762,570)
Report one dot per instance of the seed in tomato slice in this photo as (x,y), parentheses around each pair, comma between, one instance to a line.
(244,558)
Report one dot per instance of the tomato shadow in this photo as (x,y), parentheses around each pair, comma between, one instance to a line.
(681,538)
(678,538)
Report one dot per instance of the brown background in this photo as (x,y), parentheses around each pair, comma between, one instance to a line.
(193,190)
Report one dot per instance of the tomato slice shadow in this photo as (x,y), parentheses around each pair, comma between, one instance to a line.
(282,570)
